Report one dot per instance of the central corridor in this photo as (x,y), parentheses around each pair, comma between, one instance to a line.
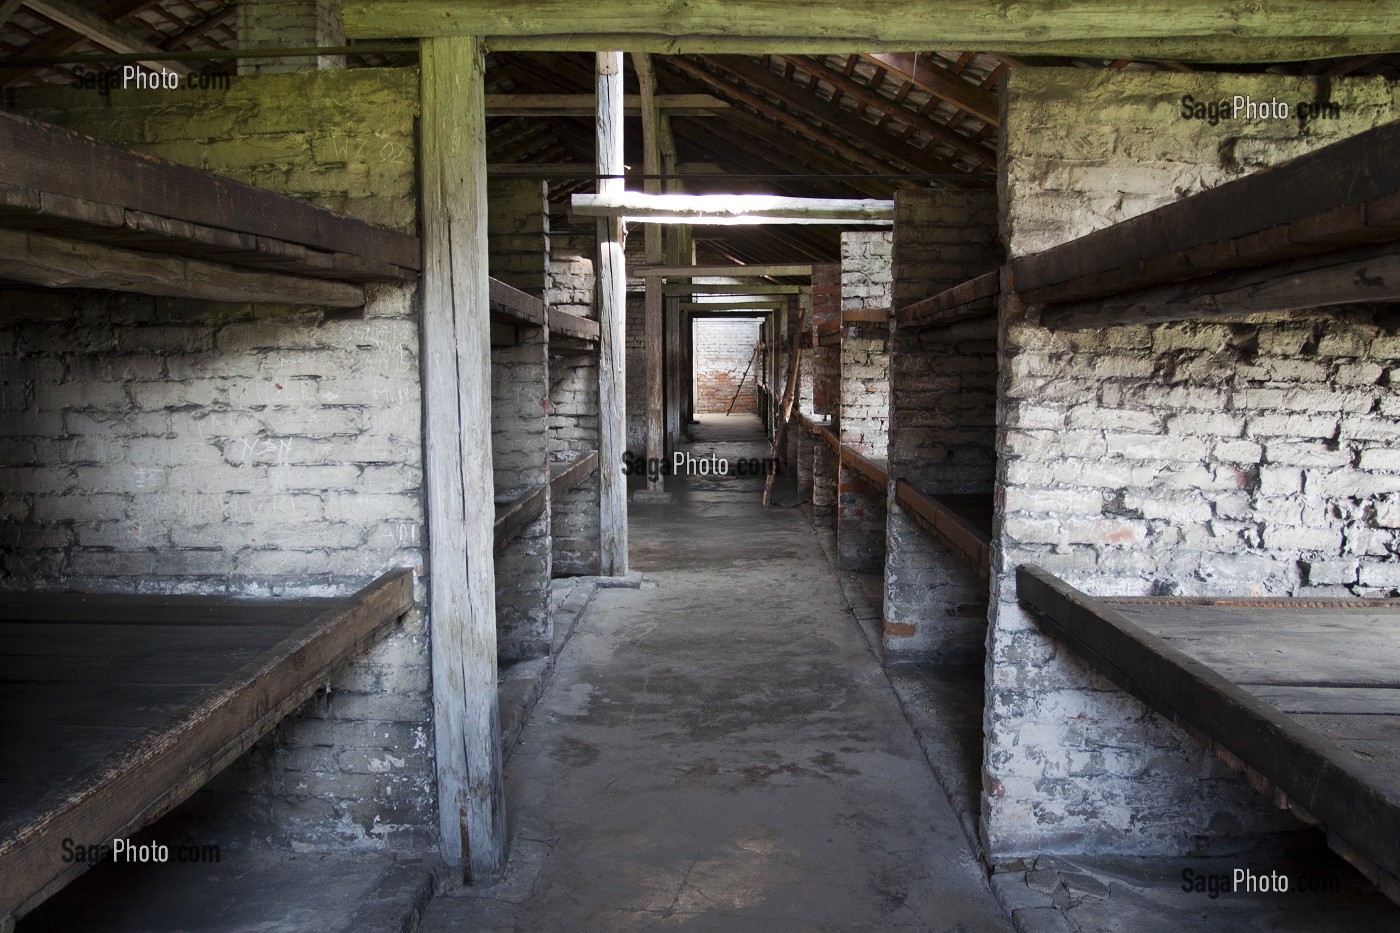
(719,750)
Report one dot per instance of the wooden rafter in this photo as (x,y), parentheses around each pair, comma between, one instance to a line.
(832,118)
(891,110)
(942,84)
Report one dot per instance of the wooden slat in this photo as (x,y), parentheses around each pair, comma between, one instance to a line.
(513,517)
(161,768)
(953,527)
(53,262)
(52,159)
(966,301)
(1351,172)
(1357,801)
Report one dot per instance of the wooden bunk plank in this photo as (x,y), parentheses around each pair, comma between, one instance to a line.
(566,476)
(511,305)
(1358,801)
(573,325)
(866,316)
(1349,277)
(1327,194)
(61,161)
(137,784)
(951,523)
(874,470)
(54,262)
(967,301)
(513,517)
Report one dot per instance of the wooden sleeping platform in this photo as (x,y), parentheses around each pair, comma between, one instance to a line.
(1301,695)
(116,708)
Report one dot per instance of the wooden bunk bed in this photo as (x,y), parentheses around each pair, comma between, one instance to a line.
(1302,695)
(79,213)
(1322,229)
(117,708)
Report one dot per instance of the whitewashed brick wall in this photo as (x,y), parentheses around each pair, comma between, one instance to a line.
(165,445)
(1244,458)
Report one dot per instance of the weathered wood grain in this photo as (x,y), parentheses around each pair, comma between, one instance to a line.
(457,398)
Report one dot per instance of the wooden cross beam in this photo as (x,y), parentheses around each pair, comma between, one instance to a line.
(734,271)
(733,209)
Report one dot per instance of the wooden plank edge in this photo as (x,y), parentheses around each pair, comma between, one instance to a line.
(1350,276)
(517,306)
(56,262)
(576,473)
(947,524)
(573,325)
(519,514)
(42,146)
(1344,795)
(185,755)
(1283,194)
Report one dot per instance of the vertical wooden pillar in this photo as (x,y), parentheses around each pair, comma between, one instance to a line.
(612,319)
(457,400)
(679,252)
(652,350)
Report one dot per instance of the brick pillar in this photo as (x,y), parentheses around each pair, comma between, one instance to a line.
(942,426)
(517,226)
(573,410)
(863,394)
(289,24)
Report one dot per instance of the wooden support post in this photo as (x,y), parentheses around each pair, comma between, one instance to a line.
(785,413)
(678,251)
(457,399)
(653,351)
(612,319)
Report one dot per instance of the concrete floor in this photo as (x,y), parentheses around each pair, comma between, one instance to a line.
(719,750)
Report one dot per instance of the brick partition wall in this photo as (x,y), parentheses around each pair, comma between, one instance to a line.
(942,425)
(723,349)
(518,250)
(864,392)
(1250,457)
(167,445)
(573,410)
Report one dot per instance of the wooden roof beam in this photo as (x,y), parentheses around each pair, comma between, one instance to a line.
(881,145)
(1185,30)
(940,83)
(734,271)
(733,209)
(889,109)
(811,132)
(88,24)
(584,105)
